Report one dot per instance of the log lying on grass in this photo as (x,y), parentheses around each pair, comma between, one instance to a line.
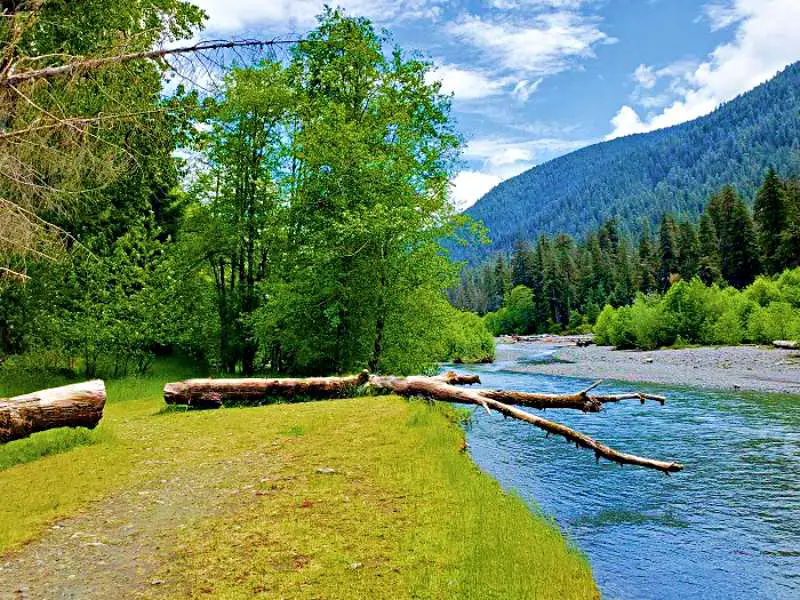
(78,405)
(214,393)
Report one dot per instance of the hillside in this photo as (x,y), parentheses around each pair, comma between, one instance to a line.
(642,176)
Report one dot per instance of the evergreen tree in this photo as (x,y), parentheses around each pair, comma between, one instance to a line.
(668,252)
(688,251)
(738,244)
(769,213)
(789,249)
(522,261)
(709,268)
(647,262)
(502,283)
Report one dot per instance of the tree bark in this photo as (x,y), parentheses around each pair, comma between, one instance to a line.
(214,393)
(78,405)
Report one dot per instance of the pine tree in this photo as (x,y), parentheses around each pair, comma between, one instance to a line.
(522,270)
(769,213)
(669,252)
(688,251)
(502,281)
(789,250)
(738,243)
(647,263)
(709,268)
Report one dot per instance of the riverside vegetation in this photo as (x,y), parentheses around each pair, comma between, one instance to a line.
(298,234)
(683,286)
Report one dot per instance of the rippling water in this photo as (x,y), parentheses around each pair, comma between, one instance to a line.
(727,527)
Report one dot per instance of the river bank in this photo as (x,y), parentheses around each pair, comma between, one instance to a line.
(733,368)
(364,498)
(725,527)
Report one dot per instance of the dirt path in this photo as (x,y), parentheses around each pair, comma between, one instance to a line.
(114,549)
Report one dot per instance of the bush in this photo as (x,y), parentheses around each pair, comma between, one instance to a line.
(728,330)
(693,313)
(603,325)
(687,311)
(778,321)
(647,324)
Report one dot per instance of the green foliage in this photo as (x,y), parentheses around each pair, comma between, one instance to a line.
(693,313)
(517,315)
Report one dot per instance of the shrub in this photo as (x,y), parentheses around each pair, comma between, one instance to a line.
(687,311)
(728,329)
(647,324)
(778,321)
(603,325)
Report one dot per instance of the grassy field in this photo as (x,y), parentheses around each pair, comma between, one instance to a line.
(365,498)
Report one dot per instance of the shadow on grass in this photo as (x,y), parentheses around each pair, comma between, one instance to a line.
(48,443)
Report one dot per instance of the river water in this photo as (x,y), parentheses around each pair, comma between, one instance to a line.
(726,527)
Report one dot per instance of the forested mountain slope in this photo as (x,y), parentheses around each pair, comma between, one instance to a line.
(642,176)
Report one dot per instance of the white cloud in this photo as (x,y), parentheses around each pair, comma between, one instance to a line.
(547,43)
(765,41)
(237,15)
(494,160)
(525,89)
(645,77)
(507,4)
(470,186)
(468,84)
(627,122)
(721,15)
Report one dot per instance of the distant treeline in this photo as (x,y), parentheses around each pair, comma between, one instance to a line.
(565,283)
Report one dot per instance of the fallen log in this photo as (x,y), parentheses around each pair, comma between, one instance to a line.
(213,393)
(786,344)
(77,405)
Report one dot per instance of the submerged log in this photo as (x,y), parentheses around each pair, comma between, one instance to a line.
(77,405)
(213,393)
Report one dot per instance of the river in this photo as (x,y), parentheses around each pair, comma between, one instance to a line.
(726,527)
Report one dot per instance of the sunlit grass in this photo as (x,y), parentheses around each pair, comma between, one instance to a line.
(405,514)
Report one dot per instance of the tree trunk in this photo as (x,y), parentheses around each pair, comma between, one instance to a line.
(78,405)
(214,393)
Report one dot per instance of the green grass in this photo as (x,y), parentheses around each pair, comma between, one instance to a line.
(47,443)
(405,514)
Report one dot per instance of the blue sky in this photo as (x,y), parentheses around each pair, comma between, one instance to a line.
(535,79)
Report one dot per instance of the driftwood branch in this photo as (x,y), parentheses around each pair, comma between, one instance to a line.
(214,393)
(78,405)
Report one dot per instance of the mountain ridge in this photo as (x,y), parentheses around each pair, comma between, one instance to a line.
(644,175)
